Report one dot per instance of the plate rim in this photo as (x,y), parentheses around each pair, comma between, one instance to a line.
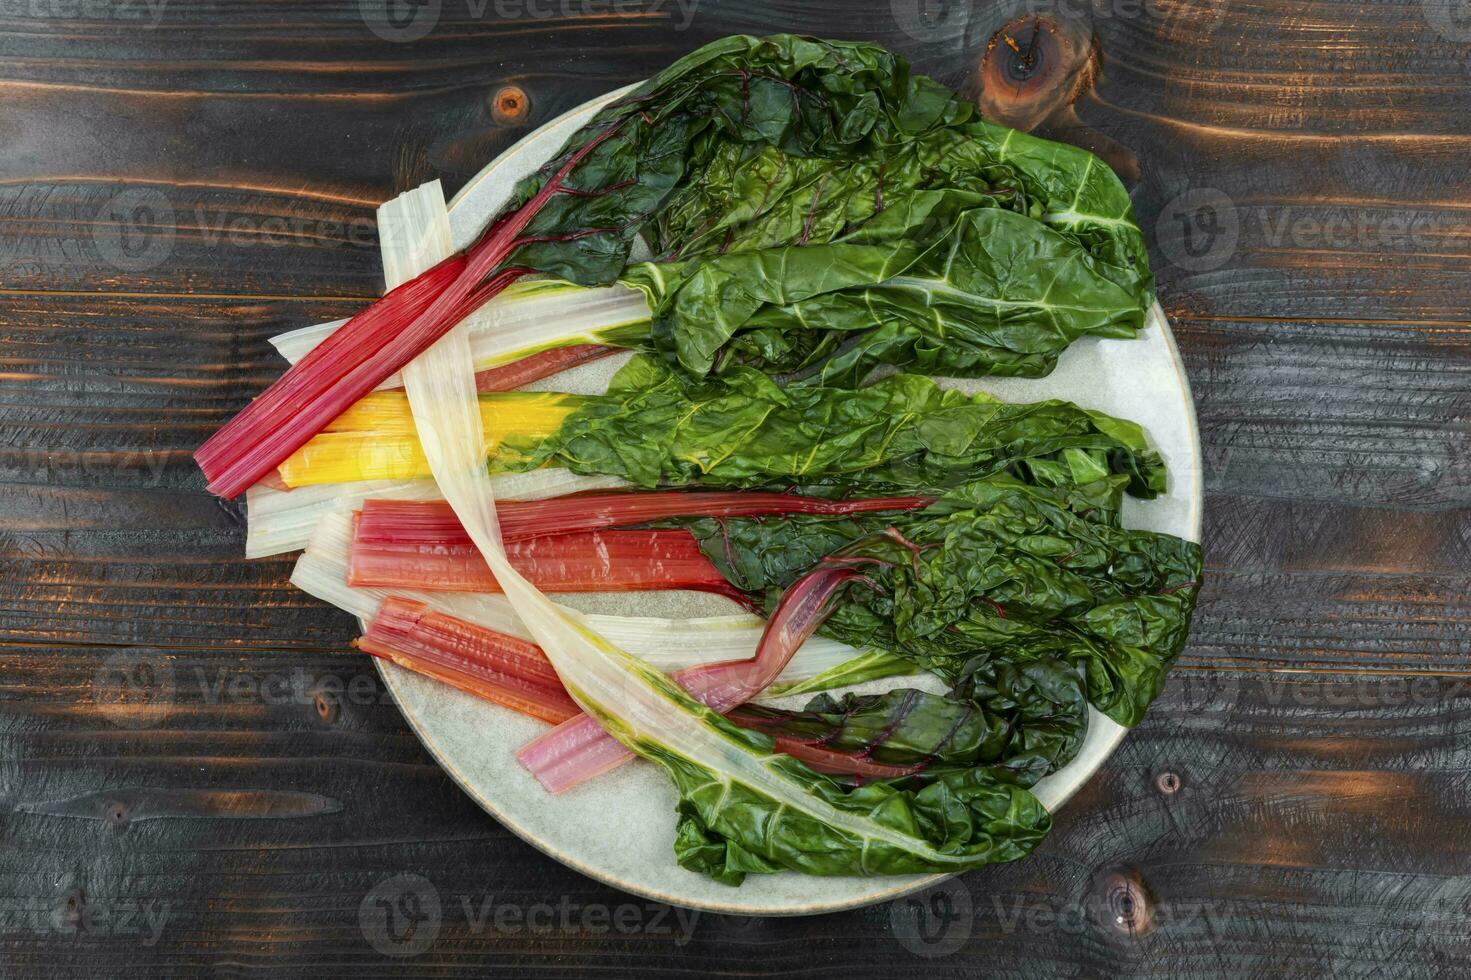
(391,674)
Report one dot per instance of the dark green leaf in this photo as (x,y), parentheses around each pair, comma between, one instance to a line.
(744,807)
(656,427)
(998,572)
(1024,720)
(816,210)
(999,293)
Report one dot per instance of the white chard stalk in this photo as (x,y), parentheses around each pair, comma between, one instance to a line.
(279,521)
(529,316)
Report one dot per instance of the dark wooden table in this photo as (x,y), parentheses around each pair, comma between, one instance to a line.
(197,775)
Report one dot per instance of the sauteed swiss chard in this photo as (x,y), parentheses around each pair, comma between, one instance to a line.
(792,235)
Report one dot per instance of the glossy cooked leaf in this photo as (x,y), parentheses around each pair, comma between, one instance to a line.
(1047,703)
(752,154)
(966,818)
(856,110)
(998,294)
(745,808)
(1036,242)
(926,158)
(737,95)
(997,572)
(905,726)
(657,427)
(1023,720)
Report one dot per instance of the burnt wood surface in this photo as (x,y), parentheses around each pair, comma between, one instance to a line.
(198,777)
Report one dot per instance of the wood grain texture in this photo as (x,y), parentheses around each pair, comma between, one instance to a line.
(1375,414)
(1291,812)
(197,776)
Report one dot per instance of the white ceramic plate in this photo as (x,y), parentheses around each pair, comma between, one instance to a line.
(620,828)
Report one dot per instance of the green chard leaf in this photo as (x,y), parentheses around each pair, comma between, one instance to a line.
(815,211)
(998,294)
(967,818)
(997,572)
(656,427)
(745,808)
(1022,720)
(655,146)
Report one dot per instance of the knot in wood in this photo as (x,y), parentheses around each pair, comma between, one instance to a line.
(1124,905)
(510,106)
(327,707)
(1033,66)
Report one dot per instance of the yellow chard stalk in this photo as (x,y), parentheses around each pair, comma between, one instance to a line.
(375,439)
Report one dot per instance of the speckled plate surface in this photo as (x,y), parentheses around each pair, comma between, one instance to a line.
(619,829)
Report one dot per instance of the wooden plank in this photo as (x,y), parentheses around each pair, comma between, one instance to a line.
(1263,821)
(118,391)
(1286,584)
(1341,413)
(1253,813)
(149,235)
(146,566)
(1333,503)
(95,389)
(1286,175)
(1294,225)
(1302,585)
(281,144)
